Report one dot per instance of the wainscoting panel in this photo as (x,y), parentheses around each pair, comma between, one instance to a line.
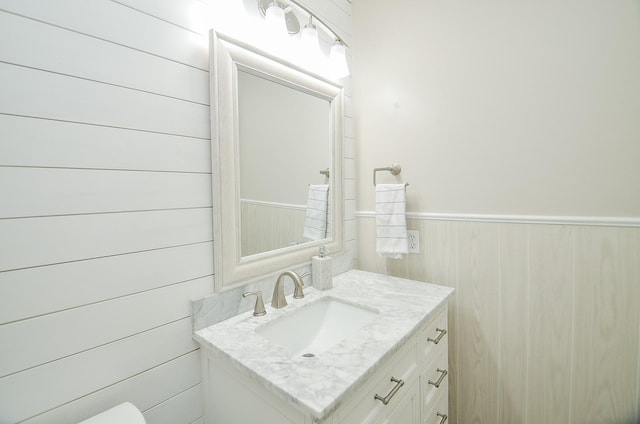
(270,226)
(544,320)
(606,317)
(513,322)
(477,339)
(551,306)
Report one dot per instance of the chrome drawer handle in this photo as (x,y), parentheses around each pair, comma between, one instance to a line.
(385,400)
(442,376)
(443,416)
(440,336)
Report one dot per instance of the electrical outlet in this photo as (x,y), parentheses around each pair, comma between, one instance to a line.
(414,241)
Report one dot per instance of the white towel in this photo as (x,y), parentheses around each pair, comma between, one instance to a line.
(391,223)
(315,223)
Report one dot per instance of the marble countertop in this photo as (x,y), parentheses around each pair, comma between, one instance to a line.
(317,386)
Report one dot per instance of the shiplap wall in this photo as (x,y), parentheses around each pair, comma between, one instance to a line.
(105,210)
(105,205)
(544,322)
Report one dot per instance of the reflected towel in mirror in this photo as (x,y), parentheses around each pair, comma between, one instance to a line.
(315,223)
(391,223)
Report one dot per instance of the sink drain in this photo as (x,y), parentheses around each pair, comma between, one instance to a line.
(308,355)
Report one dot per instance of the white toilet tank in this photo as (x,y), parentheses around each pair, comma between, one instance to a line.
(125,413)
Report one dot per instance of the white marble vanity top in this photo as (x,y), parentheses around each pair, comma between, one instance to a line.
(317,386)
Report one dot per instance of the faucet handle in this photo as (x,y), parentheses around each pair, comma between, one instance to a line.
(298,293)
(258,310)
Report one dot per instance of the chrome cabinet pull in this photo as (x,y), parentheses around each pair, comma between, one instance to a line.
(440,336)
(442,376)
(385,400)
(443,416)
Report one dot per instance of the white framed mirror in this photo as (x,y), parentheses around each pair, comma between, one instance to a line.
(276,142)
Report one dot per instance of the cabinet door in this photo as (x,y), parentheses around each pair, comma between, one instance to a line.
(407,411)
(433,337)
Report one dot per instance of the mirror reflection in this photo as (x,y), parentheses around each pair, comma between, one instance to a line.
(274,128)
(285,160)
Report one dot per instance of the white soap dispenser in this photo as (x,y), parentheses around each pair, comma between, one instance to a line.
(321,273)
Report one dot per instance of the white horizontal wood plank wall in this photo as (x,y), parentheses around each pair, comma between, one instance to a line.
(105,217)
(544,321)
(30,142)
(105,223)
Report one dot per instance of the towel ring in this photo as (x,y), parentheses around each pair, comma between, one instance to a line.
(326,172)
(395,169)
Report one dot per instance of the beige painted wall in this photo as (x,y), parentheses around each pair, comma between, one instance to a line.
(501,107)
(513,108)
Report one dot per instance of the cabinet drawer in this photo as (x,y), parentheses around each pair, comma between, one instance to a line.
(407,410)
(439,412)
(388,388)
(434,379)
(433,337)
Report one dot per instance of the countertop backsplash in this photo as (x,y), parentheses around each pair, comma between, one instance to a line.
(217,307)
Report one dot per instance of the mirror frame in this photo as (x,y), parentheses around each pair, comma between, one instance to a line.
(226,57)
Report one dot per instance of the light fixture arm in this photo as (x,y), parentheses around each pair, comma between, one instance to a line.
(305,10)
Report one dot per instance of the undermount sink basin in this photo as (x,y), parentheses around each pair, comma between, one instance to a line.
(317,326)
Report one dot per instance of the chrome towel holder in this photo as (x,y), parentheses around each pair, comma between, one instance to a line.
(395,169)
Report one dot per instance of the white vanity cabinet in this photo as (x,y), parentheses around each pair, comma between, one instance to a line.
(393,369)
(409,387)
(422,365)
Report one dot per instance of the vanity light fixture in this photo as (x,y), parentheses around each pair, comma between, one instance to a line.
(281,19)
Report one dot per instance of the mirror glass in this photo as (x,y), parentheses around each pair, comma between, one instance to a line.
(276,133)
(284,143)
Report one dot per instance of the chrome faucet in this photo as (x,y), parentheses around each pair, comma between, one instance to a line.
(277,300)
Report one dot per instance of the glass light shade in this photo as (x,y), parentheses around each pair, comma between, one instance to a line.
(275,20)
(309,38)
(338,60)
(310,47)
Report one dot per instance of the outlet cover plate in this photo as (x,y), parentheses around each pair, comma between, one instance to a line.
(414,241)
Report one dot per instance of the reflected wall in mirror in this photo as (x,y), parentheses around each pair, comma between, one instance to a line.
(275,127)
(284,142)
